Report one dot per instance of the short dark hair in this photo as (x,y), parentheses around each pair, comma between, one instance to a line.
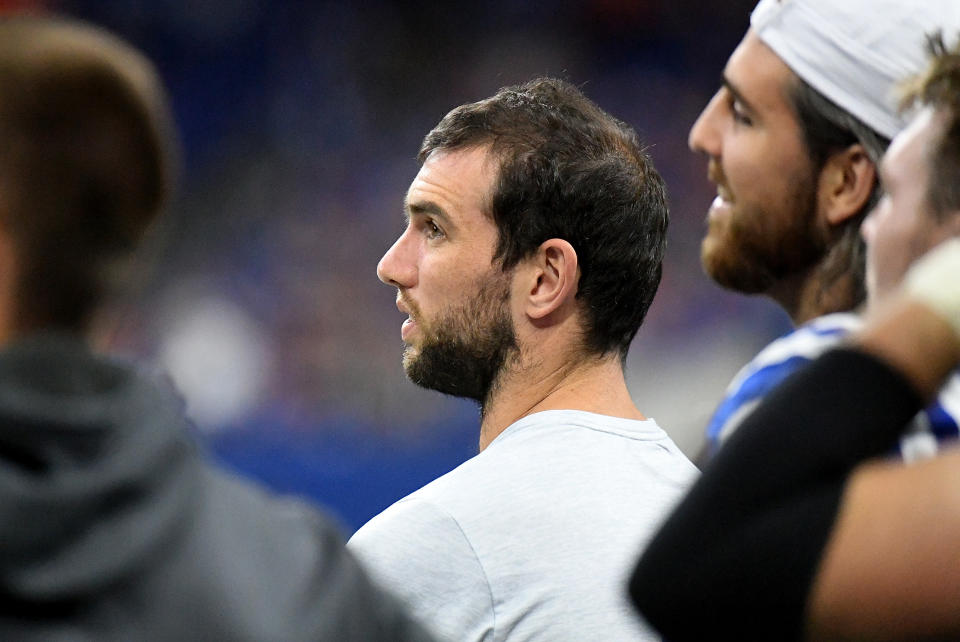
(828,129)
(86,147)
(939,88)
(569,170)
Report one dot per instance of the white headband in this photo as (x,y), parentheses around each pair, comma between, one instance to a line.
(856,52)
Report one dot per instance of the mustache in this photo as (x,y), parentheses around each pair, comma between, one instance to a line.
(716,176)
(413,310)
(715,173)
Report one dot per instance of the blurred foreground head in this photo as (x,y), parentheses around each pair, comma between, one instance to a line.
(86,143)
(921,174)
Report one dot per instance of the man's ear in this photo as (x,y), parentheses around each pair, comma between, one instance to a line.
(845,184)
(552,278)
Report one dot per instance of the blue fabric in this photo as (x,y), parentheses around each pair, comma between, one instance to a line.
(753,388)
(942,424)
(792,351)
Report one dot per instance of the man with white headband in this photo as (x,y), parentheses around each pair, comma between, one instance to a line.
(801,527)
(806,109)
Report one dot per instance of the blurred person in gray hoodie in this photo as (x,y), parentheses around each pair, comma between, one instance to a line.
(111,525)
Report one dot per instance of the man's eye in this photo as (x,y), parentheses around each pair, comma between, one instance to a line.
(432,230)
(738,114)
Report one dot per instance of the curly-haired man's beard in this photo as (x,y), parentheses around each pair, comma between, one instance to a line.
(756,247)
(465,348)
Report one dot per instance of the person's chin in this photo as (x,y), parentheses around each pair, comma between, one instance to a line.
(727,268)
(712,251)
(411,354)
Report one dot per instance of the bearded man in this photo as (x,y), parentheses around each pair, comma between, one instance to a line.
(801,516)
(793,137)
(533,246)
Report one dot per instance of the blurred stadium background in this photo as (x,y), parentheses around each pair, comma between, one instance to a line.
(300,125)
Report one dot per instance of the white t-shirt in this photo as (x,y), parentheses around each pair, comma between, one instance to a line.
(535,537)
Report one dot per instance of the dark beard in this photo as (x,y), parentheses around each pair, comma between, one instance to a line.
(466,349)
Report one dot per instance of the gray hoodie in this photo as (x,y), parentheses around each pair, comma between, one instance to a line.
(113,528)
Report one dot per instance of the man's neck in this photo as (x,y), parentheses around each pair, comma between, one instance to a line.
(811,294)
(593,384)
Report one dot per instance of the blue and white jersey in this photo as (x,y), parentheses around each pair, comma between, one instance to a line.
(937,423)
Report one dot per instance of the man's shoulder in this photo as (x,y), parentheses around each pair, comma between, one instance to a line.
(772,365)
(431,511)
(415,514)
(805,342)
(417,549)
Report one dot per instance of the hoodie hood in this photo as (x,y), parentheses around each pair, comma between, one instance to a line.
(93,469)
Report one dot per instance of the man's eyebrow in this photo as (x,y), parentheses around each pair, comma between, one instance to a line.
(421,208)
(732,88)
